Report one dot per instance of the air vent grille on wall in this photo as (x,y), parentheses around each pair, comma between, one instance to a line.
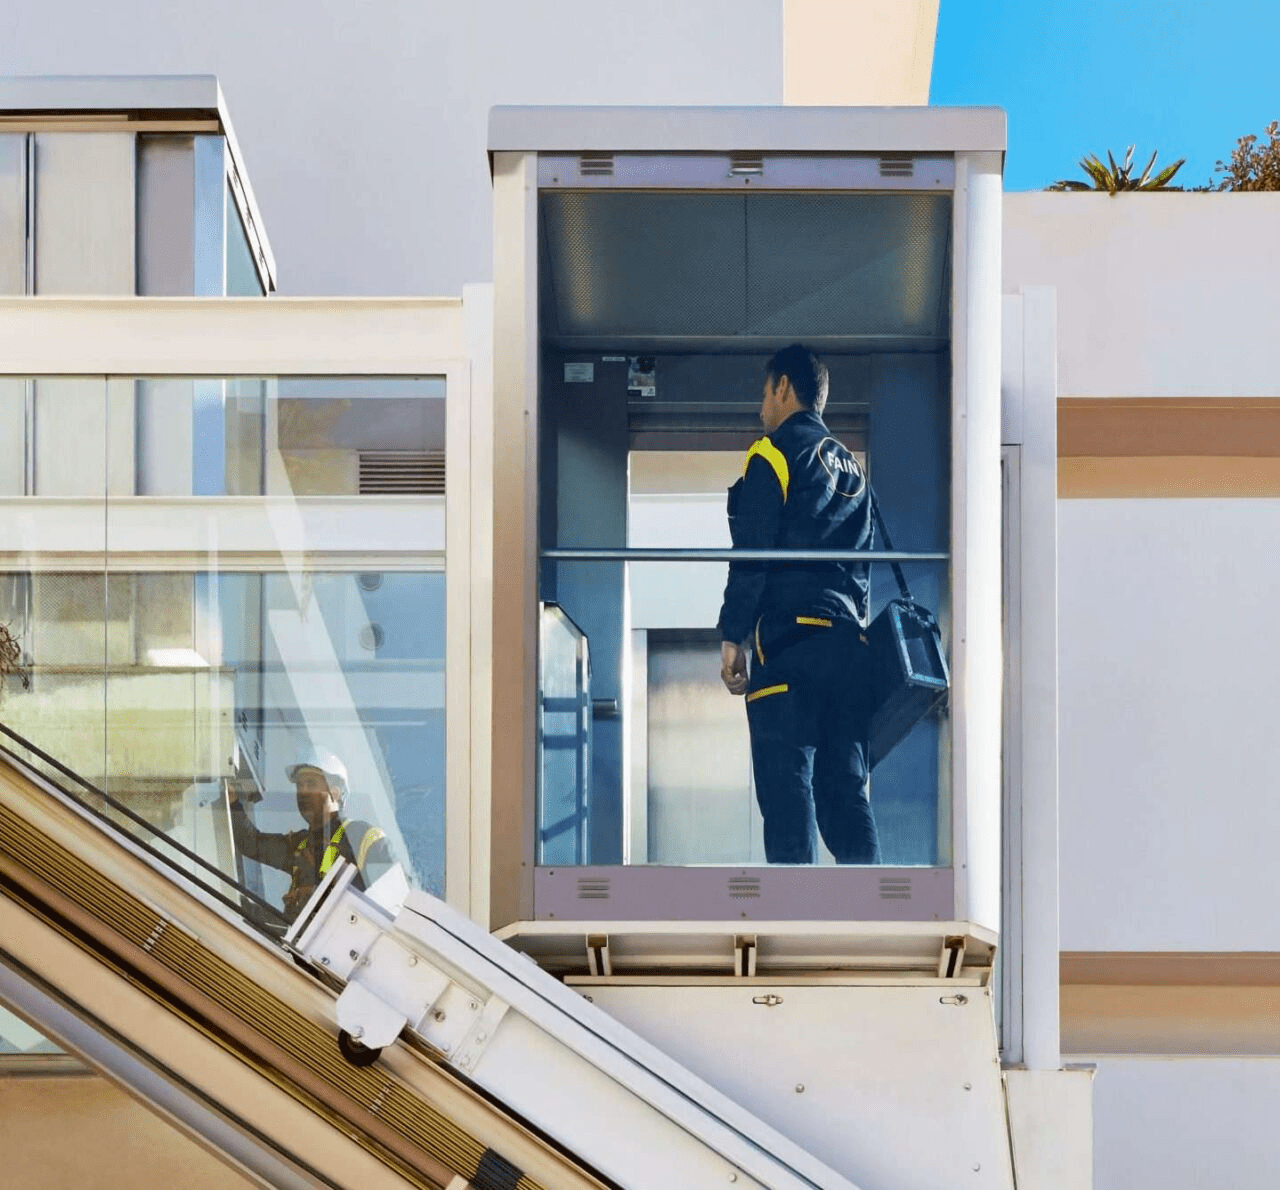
(402,473)
(895,888)
(897,165)
(746,163)
(742,887)
(595,165)
(593,888)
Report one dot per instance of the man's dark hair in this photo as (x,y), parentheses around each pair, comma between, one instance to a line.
(807,373)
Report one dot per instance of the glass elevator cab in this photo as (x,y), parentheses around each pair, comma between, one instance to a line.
(647,264)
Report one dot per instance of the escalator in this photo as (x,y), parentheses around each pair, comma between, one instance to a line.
(381,1040)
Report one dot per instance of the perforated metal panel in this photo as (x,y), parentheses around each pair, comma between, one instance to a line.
(636,266)
(653,264)
(859,264)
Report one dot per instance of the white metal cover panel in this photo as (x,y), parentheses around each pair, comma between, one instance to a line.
(84,225)
(896,1088)
(787,129)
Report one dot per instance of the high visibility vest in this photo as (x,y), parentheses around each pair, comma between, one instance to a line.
(327,860)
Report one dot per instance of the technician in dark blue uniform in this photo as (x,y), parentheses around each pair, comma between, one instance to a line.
(802,623)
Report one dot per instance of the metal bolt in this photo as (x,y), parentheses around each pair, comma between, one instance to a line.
(474,1005)
(357,1032)
(799,1088)
(968,1086)
(355,954)
(977,1166)
(438,1015)
(413,960)
(733,1177)
(481,1036)
(352,919)
(324,960)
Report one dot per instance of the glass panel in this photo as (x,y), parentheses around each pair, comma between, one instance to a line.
(306,619)
(658,312)
(687,791)
(242,273)
(19,1038)
(301,436)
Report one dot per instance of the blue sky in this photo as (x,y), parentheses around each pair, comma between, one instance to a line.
(1186,77)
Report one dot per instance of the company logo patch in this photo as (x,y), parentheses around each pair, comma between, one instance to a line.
(846,476)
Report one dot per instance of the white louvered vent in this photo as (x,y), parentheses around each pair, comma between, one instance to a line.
(897,165)
(593,888)
(746,163)
(595,165)
(402,473)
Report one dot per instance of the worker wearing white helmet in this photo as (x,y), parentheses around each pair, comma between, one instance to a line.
(320,782)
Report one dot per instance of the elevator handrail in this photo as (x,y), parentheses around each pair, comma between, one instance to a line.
(155,853)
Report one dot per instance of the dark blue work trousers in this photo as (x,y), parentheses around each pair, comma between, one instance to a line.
(808,706)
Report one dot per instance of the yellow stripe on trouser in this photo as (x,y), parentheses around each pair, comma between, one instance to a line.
(767,690)
(815,621)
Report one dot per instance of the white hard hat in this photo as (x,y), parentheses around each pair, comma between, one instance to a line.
(322,760)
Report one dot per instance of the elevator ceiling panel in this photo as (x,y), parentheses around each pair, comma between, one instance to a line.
(644,269)
(646,263)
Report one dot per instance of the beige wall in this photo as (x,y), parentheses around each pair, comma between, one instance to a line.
(874,52)
(79,1130)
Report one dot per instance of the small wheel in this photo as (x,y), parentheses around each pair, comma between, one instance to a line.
(354,1052)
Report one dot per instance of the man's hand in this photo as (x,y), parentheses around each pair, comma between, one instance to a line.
(733,667)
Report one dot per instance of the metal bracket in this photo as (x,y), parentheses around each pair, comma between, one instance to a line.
(598,960)
(391,984)
(745,949)
(951,960)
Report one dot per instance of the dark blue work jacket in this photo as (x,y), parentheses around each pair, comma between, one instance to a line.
(800,489)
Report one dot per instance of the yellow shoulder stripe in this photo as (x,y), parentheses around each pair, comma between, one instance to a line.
(775,458)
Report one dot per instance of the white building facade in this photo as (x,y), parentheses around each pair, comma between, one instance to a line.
(1136,937)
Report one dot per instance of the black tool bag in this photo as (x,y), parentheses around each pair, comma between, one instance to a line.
(909,675)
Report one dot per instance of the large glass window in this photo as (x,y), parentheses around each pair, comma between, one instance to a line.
(657,314)
(214,579)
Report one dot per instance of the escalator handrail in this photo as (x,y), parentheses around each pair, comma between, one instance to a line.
(137,819)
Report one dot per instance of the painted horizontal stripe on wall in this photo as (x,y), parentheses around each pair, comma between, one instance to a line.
(1204,1004)
(1168,447)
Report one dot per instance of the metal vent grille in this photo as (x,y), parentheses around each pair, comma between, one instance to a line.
(402,473)
(593,888)
(744,887)
(897,165)
(595,165)
(895,888)
(746,163)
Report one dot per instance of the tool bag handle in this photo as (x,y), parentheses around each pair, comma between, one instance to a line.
(888,545)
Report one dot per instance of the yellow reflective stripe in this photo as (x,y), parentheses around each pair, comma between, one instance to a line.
(774,457)
(816,621)
(331,852)
(767,691)
(371,836)
(759,647)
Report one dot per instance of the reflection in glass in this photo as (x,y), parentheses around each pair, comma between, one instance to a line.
(564,735)
(170,691)
(687,793)
(17,1037)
